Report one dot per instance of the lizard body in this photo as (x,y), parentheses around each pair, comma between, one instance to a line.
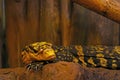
(41,53)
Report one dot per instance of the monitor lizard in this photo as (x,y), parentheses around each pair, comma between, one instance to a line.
(38,54)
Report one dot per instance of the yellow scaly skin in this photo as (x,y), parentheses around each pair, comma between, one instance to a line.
(38,54)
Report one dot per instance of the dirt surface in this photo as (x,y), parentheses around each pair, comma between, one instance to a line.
(60,71)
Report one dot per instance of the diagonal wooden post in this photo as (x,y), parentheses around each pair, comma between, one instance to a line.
(107,8)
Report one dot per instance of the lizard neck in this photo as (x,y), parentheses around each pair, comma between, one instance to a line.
(69,54)
(63,54)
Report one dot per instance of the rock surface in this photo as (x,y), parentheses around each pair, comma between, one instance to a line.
(60,71)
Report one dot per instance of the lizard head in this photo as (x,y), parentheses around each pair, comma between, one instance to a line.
(38,51)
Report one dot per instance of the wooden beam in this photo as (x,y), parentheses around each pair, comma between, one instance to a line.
(65,21)
(107,8)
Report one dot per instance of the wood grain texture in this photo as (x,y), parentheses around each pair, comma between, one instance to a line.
(1,30)
(90,28)
(60,71)
(107,8)
(50,21)
(29,21)
(65,20)
(21,27)
(55,21)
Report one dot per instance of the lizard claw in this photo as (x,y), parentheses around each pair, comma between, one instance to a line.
(35,66)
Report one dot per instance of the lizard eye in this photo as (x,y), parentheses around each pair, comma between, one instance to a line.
(35,50)
(32,48)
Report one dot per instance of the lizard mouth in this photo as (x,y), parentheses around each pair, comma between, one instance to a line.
(51,57)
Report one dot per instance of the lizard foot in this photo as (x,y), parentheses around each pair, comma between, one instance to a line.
(35,66)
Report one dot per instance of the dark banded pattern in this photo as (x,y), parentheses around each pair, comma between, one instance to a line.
(101,56)
(42,53)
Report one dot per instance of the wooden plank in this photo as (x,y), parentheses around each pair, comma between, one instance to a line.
(29,21)
(90,28)
(107,8)
(50,21)
(14,19)
(22,24)
(65,21)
